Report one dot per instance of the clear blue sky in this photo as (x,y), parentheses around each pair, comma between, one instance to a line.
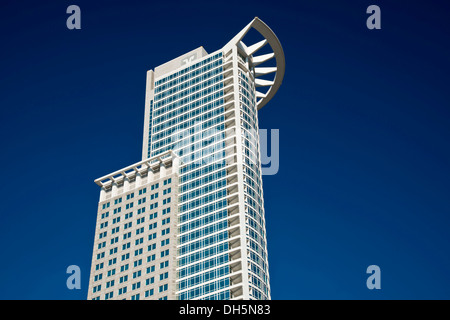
(364,126)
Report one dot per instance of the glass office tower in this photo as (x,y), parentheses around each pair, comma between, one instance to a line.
(201,130)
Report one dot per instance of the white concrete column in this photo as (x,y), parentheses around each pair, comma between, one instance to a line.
(163,171)
(102,194)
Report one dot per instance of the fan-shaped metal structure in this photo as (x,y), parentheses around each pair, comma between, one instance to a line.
(251,52)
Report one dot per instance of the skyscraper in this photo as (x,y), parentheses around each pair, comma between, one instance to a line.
(187,222)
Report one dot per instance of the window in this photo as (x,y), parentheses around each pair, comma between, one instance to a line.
(163,287)
(129,205)
(141,220)
(136,285)
(112,261)
(154,196)
(155,186)
(122,290)
(164,253)
(98,277)
(97,288)
(108,295)
(154,205)
(111,272)
(130,196)
(127,225)
(127,235)
(153,215)
(163,276)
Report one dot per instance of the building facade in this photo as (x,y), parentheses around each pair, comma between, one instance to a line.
(194,227)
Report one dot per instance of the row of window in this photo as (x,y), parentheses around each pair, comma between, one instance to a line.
(203,200)
(203,254)
(211,186)
(200,125)
(140,192)
(197,146)
(205,242)
(198,233)
(203,277)
(203,265)
(203,210)
(214,158)
(204,179)
(204,289)
(174,110)
(125,267)
(207,85)
(130,214)
(193,78)
(211,93)
(187,120)
(204,220)
(184,71)
(130,224)
(147,293)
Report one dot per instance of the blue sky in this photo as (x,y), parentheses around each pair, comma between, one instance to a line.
(364,126)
